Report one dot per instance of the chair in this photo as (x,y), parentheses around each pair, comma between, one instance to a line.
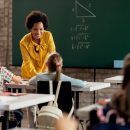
(65,95)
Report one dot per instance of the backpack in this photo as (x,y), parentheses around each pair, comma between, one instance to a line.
(48,115)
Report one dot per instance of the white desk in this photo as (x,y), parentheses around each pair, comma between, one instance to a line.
(89,108)
(84,111)
(114,79)
(90,87)
(9,103)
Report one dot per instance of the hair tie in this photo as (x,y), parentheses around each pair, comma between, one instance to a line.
(58,65)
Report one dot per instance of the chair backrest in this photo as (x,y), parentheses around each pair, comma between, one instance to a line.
(65,95)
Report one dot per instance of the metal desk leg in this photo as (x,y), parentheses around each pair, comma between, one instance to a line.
(76,99)
(5,121)
(94,96)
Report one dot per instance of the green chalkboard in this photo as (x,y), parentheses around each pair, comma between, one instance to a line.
(87,33)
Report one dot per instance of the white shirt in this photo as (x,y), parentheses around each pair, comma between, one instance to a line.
(50,76)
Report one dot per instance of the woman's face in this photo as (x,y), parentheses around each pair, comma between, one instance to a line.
(37,30)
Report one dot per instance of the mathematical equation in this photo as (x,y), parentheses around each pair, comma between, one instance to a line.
(80,45)
(80,37)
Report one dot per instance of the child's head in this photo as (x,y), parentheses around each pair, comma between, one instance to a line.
(127,59)
(121,99)
(126,71)
(54,62)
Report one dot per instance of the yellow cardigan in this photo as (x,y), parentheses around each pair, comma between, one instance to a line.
(35,62)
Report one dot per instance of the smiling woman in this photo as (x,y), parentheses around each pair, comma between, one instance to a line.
(36,45)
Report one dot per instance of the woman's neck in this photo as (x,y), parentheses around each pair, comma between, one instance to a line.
(36,40)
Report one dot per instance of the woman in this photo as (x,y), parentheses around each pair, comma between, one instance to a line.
(54,65)
(36,45)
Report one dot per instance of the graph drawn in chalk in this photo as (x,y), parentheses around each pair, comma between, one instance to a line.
(81,11)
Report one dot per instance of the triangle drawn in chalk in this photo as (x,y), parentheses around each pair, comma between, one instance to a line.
(82,11)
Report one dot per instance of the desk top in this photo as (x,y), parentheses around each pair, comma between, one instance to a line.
(23,84)
(17,102)
(82,112)
(114,79)
(92,86)
(89,108)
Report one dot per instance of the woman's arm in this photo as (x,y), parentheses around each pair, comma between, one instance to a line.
(51,43)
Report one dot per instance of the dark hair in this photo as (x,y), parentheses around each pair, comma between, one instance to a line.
(54,63)
(121,99)
(35,17)
(126,71)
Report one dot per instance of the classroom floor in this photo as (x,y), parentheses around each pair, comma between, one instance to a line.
(25,122)
(82,125)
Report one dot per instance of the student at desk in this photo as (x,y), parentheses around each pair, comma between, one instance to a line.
(54,64)
(117,111)
(15,116)
(8,76)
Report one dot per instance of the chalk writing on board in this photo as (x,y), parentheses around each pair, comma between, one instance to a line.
(81,45)
(80,32)
(82,11)
(80,37)
(79,28)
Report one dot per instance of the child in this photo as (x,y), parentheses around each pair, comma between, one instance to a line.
(8,76)
(17,115)
(54,65)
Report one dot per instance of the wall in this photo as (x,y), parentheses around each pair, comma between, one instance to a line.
(82,73)
(5,32)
